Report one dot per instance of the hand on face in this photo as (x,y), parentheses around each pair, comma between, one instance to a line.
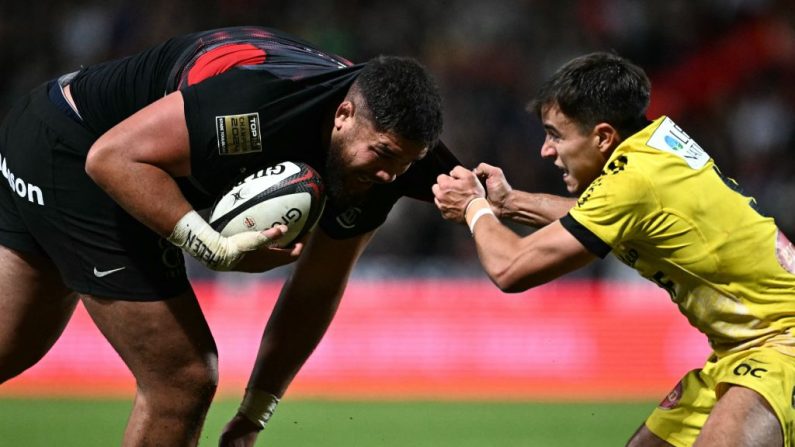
(452,193)
(497,187)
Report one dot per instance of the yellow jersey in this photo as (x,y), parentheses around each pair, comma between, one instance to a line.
(663,208)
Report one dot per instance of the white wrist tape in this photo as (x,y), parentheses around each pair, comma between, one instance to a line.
(476,208)
(258,406)
(194,235)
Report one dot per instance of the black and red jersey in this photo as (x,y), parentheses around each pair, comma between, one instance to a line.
(253,96)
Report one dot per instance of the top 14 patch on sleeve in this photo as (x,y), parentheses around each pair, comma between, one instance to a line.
(238,134)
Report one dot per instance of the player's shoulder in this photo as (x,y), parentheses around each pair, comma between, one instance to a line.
(624,180)
(662,146)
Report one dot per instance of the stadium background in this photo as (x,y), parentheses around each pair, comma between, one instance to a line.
(420,328)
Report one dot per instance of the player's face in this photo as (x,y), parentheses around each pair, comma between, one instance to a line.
(576,153)
(360,156)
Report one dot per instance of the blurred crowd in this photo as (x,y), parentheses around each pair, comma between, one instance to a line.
(724,70)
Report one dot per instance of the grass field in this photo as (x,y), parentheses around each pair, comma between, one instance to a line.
(85,423)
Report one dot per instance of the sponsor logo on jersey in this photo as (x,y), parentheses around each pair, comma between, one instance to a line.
(628,257)
(670,138)
(744,369)
(617,165)
(22,188)
(348,218)
(238,134)
(673,398)
(588,192)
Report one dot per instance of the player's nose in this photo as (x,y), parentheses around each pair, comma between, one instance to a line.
(384,176)
(548,151)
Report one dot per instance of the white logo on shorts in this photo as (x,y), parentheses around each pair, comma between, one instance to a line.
(100,274)
(24,189)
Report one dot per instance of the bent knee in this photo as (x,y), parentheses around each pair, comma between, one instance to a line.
(197,381)
(199,377)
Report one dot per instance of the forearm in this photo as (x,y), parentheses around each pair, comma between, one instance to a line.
(516,263)
(305,309)
(535,209)
(496,247)
(145,191)
(297,324)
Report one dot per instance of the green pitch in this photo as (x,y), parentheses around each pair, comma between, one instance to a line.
(298,423)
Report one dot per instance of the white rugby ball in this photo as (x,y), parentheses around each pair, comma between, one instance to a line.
(289,193)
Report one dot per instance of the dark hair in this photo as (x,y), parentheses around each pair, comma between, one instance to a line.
(401,97)
(598,88)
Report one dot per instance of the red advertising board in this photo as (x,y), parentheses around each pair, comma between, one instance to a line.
(451,339)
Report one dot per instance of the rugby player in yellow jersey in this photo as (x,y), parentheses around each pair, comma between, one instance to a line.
(651,195)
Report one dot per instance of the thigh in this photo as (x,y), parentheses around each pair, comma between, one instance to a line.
(755,389)
(35,306)
(161,342)
(741,418)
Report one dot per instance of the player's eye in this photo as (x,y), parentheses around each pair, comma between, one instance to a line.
(383,153)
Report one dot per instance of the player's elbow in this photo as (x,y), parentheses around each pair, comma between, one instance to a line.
(98,161)
(509,281)
(517,274)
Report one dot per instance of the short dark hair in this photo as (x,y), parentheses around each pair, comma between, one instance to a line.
(401,97)
(597,88)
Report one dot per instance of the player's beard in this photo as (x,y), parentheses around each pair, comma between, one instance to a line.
(337,179)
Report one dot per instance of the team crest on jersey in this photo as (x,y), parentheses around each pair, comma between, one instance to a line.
(673,398)
(785,253)
(238,134)
(670,138)
(349,218)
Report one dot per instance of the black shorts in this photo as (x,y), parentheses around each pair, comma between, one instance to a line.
(49,206)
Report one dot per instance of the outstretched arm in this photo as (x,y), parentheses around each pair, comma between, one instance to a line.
(533,209)
(512,262)
(302,314)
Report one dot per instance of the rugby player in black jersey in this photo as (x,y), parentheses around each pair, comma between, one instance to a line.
(105,170)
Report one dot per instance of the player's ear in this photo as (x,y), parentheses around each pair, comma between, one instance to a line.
(607,138)
(344,113)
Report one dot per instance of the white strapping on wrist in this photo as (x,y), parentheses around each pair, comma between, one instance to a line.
(478,214)
(194,235)
(258,406)
(476,208)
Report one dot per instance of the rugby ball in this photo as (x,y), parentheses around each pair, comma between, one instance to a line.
(289,193)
